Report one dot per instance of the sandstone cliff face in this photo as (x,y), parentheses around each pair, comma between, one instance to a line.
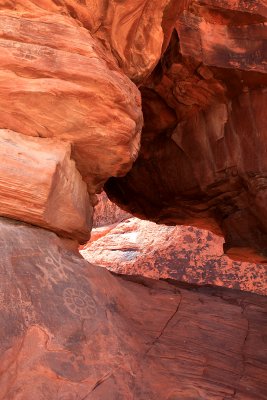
(69,71)
(58,82)
(77,79)
(72,331)
(203,154)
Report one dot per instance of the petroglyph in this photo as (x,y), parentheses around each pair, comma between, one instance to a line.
(52,270)
(79,303)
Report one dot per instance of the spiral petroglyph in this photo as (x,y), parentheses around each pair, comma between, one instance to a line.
(79,303)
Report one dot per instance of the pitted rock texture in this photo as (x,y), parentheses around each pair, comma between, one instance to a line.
(181,253)
(107,213)
(70,330)
(130,246)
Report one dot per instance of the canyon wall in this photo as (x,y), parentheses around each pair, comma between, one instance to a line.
(71,330)
(203,153)
(79,81)
(77,72)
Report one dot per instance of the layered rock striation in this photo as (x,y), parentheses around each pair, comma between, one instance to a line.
(58,82)
(77,81)
(40,184)
(77,72)
(70,330)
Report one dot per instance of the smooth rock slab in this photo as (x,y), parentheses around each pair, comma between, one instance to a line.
(39,184)
(73,331)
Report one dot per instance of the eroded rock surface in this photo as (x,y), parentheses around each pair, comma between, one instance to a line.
(69,70)
(186,254)
(107,213)
(203,154)
(70,330)
(70,118)
(40,184)
(58,81)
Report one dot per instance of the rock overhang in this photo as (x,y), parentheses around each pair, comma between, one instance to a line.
(71,72)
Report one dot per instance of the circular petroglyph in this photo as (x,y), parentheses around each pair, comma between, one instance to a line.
(79,303)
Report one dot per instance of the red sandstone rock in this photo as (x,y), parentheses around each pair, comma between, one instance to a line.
(107,213)
(57,81)
(224,41)
(70,330)
(135,31)
(203,153)
(201,68)
(182,253)
(40,184)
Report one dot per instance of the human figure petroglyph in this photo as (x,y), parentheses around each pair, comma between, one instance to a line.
(52,270)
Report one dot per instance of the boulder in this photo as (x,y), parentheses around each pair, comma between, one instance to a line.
(179,253)
(57,81)
(40,184)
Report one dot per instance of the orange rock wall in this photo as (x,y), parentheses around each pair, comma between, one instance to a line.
(59,82)
(78,72)
(77,81)
(40,184)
